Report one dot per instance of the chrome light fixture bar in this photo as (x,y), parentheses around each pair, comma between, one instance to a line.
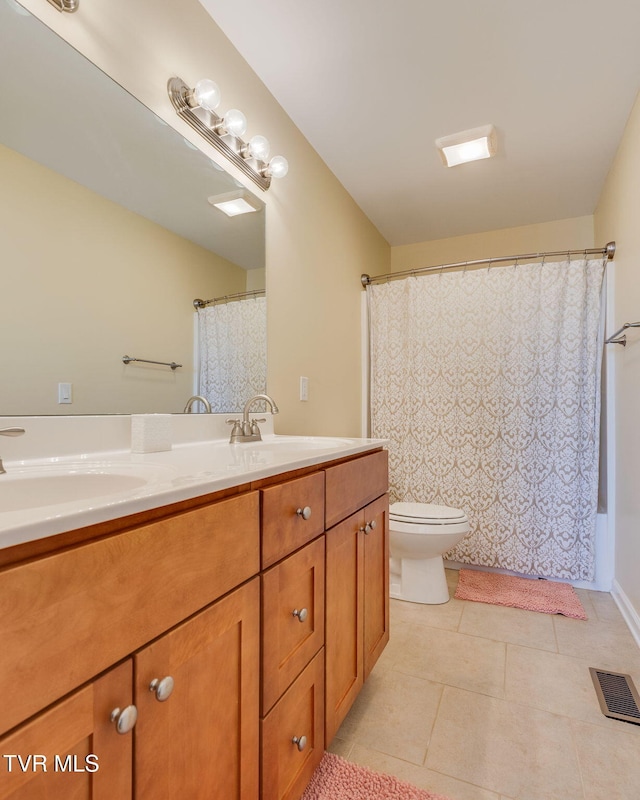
(196,107)
(66,5)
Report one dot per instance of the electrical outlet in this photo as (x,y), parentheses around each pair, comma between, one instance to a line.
(304,388)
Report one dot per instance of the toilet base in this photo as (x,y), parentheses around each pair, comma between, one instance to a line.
(418,580)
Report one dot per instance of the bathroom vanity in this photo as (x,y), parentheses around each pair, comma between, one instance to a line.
(205,647)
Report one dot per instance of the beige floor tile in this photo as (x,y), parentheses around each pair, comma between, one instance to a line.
(553,682)
(394,714)
(606,644)
(445,615)
(455,659)
(340,747)
(506,624)
(506,748)
(605,606)
(609,760)
(419,776)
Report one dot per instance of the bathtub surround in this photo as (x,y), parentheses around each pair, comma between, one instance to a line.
(487,383)
(546,597)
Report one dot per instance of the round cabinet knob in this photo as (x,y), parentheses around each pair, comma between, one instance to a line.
(300,742)
(370,526)
(125,718)
(162,688)
(305,512)
(301,614)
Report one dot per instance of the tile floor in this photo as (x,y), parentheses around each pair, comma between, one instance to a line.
(481,702)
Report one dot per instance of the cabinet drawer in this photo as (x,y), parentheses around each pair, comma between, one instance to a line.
(351,485)
(290,640)
(67,617)
(287,766)
(283,528)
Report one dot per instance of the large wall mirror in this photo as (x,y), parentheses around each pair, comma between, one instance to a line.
(107,236)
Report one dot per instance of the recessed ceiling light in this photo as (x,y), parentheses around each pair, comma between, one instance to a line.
(234,203)
(471,145)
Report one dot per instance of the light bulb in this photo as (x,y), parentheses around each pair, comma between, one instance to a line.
(207,94)
(235,122)
(259,147)
(277,167)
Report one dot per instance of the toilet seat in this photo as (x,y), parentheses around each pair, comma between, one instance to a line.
(426,514)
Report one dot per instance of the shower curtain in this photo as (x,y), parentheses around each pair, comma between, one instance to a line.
(232,339)
(487,384)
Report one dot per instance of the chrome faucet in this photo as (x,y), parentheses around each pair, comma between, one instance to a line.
(195,399)
(9,432)
(247,430)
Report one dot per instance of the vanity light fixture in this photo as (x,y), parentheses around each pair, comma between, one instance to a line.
(66,5)
(471,145)
(198,108)
(238,202)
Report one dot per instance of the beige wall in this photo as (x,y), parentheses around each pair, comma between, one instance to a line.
(544,237)
(318,241)
(618,217)
(85,282)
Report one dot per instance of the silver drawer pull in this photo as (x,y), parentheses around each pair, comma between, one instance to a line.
(162,688)
(369,526)
(305,512)
(125,718)
(300,742)
(301,614)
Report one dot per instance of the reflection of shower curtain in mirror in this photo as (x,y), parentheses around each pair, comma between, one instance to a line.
(233,352)
(487,384)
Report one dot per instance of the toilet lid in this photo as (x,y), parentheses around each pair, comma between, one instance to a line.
(424,513)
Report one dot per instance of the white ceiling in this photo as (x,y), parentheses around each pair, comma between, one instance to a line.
(372,84)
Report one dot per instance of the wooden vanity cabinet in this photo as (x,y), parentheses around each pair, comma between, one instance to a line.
(162,598)
(232,627)
(357,584)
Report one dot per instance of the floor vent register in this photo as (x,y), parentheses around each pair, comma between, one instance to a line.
(617,695)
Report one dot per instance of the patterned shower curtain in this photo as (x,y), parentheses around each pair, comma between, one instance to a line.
(487,384)
(233,352)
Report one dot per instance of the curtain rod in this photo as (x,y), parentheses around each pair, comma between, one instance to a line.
(608,250)
(202,303)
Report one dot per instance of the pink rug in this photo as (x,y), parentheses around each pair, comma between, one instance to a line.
(547,597)
(337,779)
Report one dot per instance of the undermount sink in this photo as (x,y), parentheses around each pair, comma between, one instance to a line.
(300,443)
(35,487)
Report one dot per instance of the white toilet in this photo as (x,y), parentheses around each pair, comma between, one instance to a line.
(419,533)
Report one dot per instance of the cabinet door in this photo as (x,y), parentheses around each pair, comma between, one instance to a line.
(344,620)
(292,618)
(73,751)
(197,692)
(376,581)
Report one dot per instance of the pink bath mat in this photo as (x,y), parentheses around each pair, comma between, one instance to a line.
(547,597)
(337,779)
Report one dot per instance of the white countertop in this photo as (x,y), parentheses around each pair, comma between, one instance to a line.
(41,497)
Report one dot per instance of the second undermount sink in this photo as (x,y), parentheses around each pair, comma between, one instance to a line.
(34,487)
(301,443)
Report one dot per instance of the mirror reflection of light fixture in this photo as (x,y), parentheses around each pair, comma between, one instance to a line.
(471,145)
(197,107)
(66,5)
(238,202)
